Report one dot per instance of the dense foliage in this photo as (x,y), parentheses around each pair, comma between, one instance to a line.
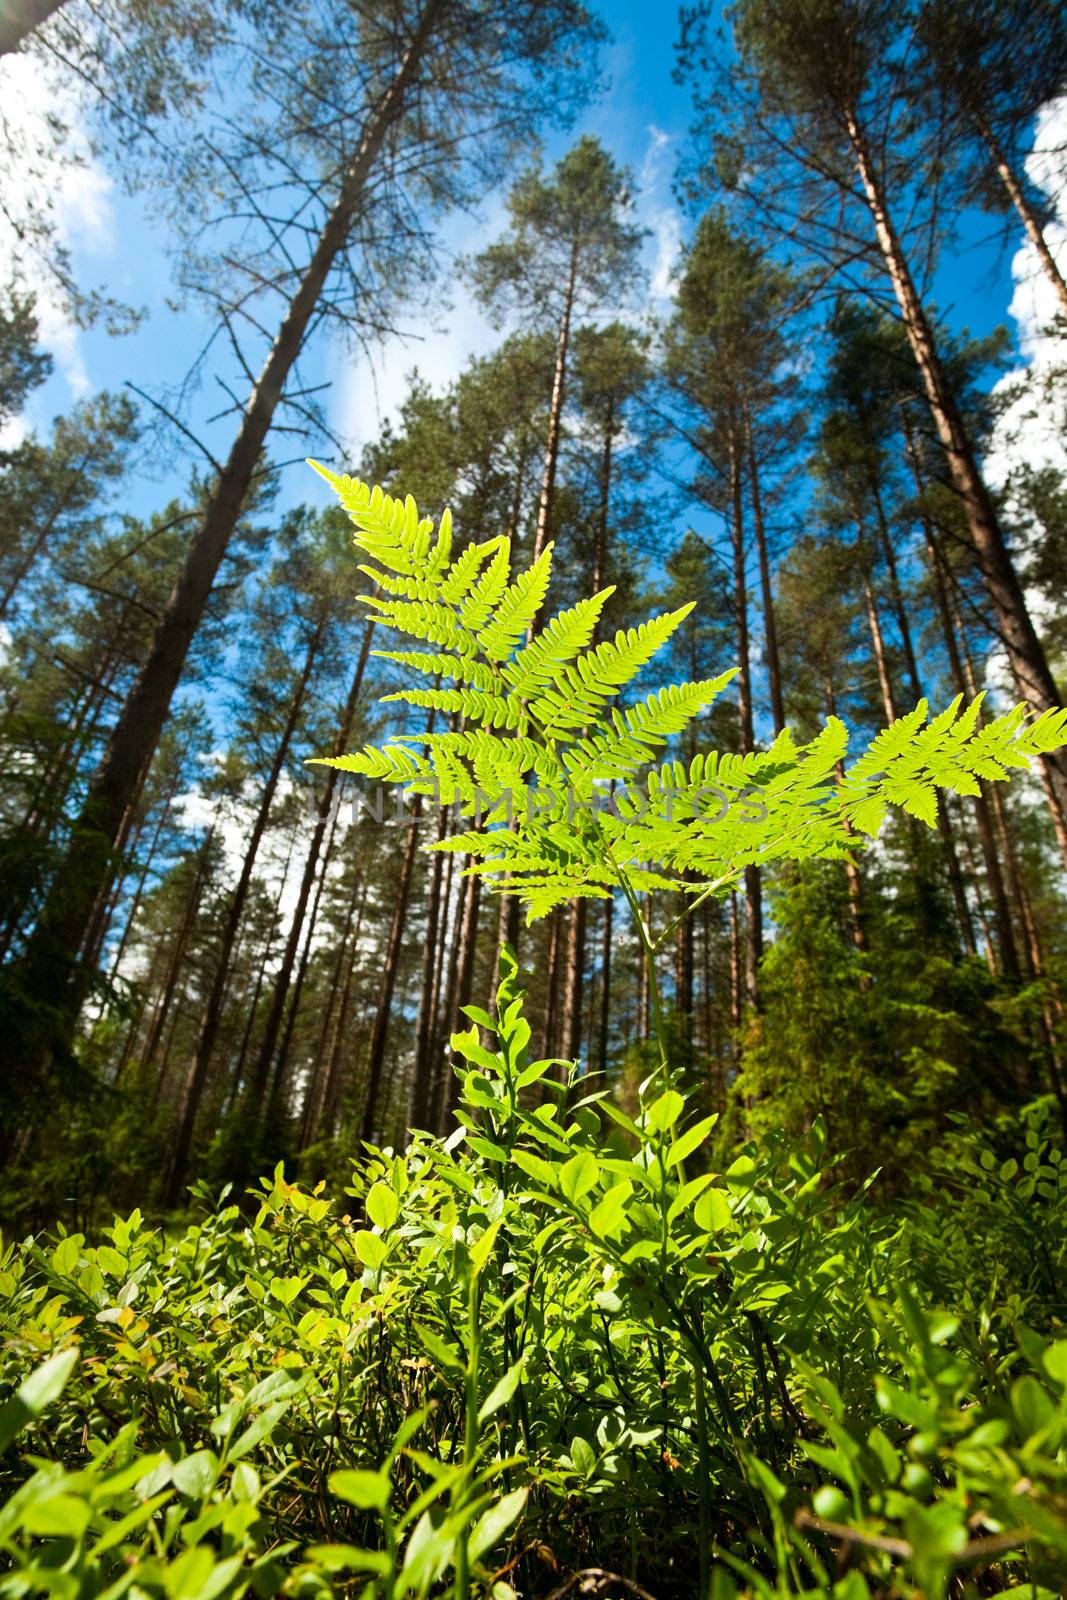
(560,1340)
(729,1257)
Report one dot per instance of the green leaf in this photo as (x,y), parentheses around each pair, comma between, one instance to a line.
(691,1140)
(370,1248)
(64,1516)
(712,1211)
(578,1175)
(664,1112)
(36,1392)
(494,1523)
(446,1355)
(195,1476)
(370,1491)
(502,1391)
(383,1205)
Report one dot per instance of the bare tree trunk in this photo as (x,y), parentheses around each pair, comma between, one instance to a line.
(376,1050)
(746,736)
(262,1071)
(550,1028)
(770,627)
(1027,214)
(547,499)
(419,1110)
(447,1087)
(575,975)
(852,871)
(950,625)
(285,1045)
(604,1021)
(51,984)
(177,957)
(1014,623)
(324,1065)
(19,18)
(196,1076)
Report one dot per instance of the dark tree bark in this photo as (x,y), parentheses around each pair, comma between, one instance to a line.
(376,1050)
(1027,213)
(770,627)
(19,18)
(746,735)
(1014,622)
(547,499)
(268,1082)
(192,1088)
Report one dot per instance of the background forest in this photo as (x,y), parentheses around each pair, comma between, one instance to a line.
(768,372)
(616,1252)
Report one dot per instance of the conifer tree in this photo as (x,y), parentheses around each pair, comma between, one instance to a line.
(571,251)
(816,114)
(421,82)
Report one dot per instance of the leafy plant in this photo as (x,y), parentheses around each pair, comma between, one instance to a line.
(543,728)
(558,1339)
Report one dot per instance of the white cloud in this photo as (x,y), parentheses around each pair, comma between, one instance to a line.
(366,395)
(78,192)
(657,212)
(1033,429)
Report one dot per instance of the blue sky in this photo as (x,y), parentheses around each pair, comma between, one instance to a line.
(642,118)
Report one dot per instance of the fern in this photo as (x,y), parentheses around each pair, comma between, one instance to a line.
(541,724)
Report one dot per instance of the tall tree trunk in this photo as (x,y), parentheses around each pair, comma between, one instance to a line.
(51,984)
(1028,216)
(547,499)
(1005,939)
(1014,622)
(19,18)
(446,1089)
(571,1047)
(770,626)
(944,816)
(950,628)
(262,1074)
(320,1088)
(286,1043)
(852,871)
(578,913)
(433,949)
(604,1017)
(192,1088)
(746,734)
(393,951)
(550,1025)
(142,878)
(158,1022)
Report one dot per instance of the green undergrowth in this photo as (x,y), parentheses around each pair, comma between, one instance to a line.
(556,1341)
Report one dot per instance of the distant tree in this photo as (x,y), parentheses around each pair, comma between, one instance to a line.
(990,66)
(571,251)
(814,128)
(23,364)
(418,86)
(54,494)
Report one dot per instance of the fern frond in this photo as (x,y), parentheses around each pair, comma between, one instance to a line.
(516,609)
(474,705)
(427,620)
(438,664)
(599,674)
(538,664)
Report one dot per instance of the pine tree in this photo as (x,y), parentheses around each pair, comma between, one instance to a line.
(412,91)
(822,128)
(571,251)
